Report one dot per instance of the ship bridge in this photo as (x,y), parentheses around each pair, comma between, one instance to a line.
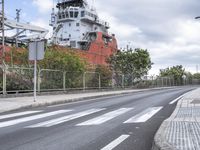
(67,3)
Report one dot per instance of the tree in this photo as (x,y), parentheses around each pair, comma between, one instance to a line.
(135,63)
(175,72)
(55,59)
(196,76)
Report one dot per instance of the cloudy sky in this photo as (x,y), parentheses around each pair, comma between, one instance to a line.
(165,27)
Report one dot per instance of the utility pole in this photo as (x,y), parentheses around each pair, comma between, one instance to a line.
(3,45)
(17,18)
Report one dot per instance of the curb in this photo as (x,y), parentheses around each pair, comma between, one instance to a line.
(63,101)
(160,142)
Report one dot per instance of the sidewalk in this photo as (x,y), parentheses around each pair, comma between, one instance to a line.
(9,104)
(182,130)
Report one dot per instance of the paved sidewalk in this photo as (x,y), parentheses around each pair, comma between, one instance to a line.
(182,130)
(8,104)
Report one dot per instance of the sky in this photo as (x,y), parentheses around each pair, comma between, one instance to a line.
(166,28)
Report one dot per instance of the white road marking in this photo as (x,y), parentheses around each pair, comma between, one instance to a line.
(144,116)
(18,114)
(177,99)
(30,118)
(116,142)
(105,117)
(65,118)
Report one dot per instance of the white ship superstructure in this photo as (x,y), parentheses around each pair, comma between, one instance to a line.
(75,24)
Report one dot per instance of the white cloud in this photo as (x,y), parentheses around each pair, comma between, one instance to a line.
(44,6)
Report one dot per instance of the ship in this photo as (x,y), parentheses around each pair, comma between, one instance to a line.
(76,25)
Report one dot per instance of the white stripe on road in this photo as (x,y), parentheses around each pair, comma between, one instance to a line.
(105,117)
(18,114)
(144,116)
(177,99)
(26,119)
(116,142)
(65,118)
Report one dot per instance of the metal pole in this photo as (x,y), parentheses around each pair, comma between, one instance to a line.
(64,80)
(35,80)
(3,49)
(84,82)
(35,73)
(39,79)
(17,18)
(99,81)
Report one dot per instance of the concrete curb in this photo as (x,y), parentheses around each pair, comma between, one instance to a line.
(160,142)
(63,101)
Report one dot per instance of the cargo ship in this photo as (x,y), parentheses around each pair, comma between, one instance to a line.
(77,25)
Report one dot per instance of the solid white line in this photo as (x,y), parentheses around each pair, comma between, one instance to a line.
(144,116)
(26,119)
(177,99)
(65,118)
(116,142)
(18,114)
(105,117)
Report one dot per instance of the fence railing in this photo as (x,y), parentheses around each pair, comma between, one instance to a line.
(20,80)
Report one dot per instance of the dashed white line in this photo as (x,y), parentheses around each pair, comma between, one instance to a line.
(144,116)
(65,118)
(18,114)
(105,117)
(26,119)
(116,142)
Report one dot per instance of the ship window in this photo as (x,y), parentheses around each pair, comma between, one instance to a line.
(70,24)
(59,16)
(67,15)
(63,15)
(69,35)
(77,24)
(76,14)
(71,14)
(82,13)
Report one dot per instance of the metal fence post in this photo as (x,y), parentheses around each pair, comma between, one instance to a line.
(84,82)
(99,80)
(64,80)
(4,79)
(39,79)
(123,81)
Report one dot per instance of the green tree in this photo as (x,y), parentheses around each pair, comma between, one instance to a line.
(196,76)
(131,62)
(175,72)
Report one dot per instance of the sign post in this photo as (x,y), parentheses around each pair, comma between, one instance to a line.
(36,52)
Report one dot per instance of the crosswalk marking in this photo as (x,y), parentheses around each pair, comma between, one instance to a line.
(65,118)
(105,117)
(144,116)
(18,114)
(116,142)
(30,118)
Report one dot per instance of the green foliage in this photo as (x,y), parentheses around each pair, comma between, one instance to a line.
(196,76)
(131,62)
(106,75)
(61,60)
(55,59)
(175,72)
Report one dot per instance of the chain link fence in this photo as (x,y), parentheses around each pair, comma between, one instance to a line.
(20,80)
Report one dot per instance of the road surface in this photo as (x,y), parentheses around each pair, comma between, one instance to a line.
(125,122)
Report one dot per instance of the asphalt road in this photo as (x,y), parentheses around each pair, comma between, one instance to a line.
(125,122)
